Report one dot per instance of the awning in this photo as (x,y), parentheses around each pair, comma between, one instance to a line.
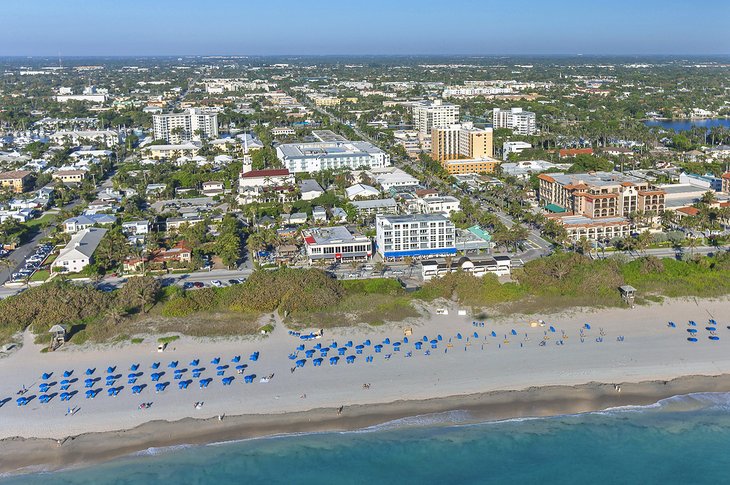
(554,208)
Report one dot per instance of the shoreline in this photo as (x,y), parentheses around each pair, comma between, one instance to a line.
(28,455)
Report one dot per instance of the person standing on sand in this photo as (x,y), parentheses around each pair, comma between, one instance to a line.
(339,411)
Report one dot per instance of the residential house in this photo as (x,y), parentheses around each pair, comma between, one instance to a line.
(69,176)
(79,252)
(136,228)
(319,215)
(79,223)
(310,189)
(213,188)
(361,191)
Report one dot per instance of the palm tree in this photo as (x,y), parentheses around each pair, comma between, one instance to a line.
(115,315)
(692,243)
(583,245)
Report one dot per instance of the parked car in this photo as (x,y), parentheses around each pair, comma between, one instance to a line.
(199,284)
(234,282)
(187,285)
(217,283)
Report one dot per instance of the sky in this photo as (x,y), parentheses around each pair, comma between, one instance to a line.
(362,27)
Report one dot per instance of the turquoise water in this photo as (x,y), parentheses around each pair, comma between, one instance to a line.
(681,440)
(684,125)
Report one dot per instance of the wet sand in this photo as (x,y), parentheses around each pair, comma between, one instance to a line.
(20,454)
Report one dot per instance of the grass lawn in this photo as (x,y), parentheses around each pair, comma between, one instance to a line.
(47,218)
(40,275)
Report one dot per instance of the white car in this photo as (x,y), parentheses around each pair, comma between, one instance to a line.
(217,283)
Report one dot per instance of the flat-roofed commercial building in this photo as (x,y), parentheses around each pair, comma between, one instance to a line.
(347,155)
(336,243)
(420,235)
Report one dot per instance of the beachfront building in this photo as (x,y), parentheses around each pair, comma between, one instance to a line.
(336,244)
(498,265)
(515,119)
(190,125)
(597,205)
(17,181)
(418,236)
(427,114)
(79,252)
(461,141)
(335,155)
(599,194)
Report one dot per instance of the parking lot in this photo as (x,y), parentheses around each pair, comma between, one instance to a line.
(32,263)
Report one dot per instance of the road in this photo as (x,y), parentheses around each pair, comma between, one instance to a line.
(26,249)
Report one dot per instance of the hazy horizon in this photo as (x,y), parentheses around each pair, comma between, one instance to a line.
(45,28)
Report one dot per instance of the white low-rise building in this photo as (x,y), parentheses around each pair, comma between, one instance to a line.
(108,138)
(439,205)
(361,191)
(338,155)
(388,177)
(336,244)
(514,147)
(79,252)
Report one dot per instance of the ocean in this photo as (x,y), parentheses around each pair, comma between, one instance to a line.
(684,125)
(680,440)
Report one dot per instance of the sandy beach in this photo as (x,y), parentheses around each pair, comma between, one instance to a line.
(488,377)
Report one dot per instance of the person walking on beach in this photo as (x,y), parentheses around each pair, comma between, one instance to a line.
(339,411)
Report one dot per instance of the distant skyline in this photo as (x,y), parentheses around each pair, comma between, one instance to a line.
(378,27)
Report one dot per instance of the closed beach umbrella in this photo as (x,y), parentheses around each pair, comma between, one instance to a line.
(514,332)
(692,330)
(552,329)
(493,334)
(587,326)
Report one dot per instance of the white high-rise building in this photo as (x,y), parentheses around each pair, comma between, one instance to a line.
(519,121)
(428,114)
(191,125)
